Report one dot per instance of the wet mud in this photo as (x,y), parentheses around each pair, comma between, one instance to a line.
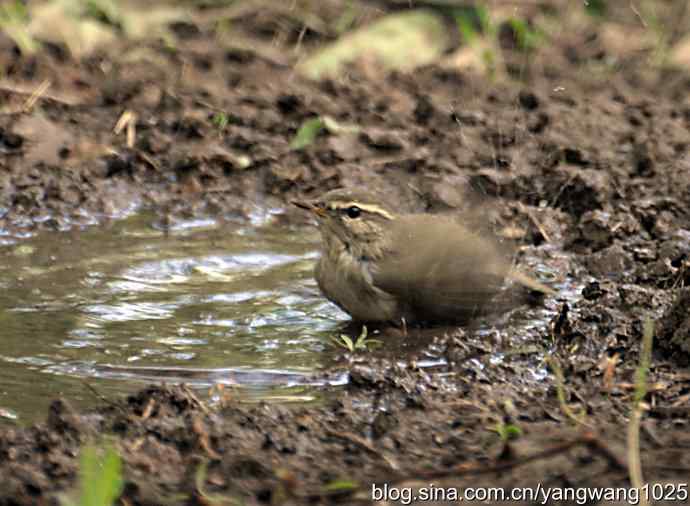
(590,174)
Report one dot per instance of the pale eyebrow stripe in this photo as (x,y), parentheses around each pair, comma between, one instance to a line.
(369,208)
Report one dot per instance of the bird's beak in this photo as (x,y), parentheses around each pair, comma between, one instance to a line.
(309,206)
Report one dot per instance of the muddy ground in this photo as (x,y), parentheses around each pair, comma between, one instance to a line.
(588,169)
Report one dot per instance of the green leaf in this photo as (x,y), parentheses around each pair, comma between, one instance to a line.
(307,133)
(100,476)
(341,486)
(508,432)
(348,342)
(363,335)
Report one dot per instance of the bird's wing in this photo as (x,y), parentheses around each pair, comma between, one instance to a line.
(441,269)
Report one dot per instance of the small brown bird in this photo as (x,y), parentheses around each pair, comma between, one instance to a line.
(380,266)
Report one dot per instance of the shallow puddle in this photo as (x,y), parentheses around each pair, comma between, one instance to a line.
(103,311)
(127,304)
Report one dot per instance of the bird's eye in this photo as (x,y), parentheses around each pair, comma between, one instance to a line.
(353,212)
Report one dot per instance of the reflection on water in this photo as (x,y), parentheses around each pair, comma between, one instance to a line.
(128,304)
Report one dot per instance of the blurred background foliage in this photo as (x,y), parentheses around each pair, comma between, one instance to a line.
(322,37)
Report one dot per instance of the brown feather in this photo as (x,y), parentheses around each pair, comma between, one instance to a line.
(451,272)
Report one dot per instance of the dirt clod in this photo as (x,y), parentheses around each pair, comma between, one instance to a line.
(673,335)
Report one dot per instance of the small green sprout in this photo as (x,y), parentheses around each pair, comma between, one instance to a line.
(220,120)
(527,37)
(361,343)
(507,431)
(100,476)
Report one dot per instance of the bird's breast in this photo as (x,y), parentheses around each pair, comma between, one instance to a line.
(346,280)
